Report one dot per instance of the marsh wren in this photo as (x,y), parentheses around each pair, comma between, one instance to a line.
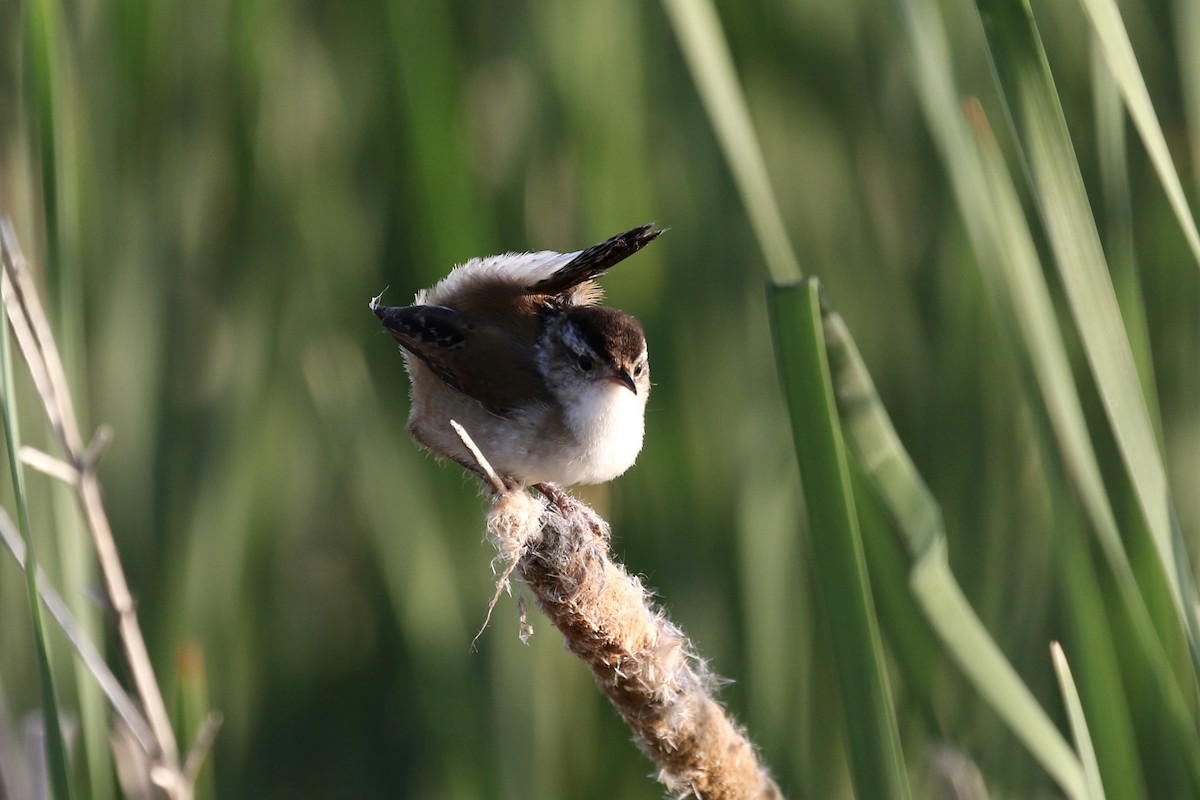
(551,386)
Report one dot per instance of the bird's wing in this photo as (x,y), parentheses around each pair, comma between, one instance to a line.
(498,289)
(479,360)
(584,266)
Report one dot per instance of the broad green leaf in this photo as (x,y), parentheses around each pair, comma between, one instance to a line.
(876,758)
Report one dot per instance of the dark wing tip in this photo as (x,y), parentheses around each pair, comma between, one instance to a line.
(433,334)
(619,247)
(417,326)
(637,238)
(390,316)
(598,258)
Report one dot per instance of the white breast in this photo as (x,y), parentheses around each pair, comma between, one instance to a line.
(609,423)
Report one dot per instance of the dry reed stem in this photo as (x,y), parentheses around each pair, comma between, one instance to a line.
(640,659)
(124,707)
(31,328)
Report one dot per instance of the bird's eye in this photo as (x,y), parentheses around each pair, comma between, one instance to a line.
(585,363)
(638,370)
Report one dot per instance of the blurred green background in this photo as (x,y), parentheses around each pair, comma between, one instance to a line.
(214,190)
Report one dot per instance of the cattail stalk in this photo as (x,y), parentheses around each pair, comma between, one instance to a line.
(640,659)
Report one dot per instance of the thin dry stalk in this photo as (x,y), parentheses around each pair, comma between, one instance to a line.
(640,659)
(31,328)
(125,708)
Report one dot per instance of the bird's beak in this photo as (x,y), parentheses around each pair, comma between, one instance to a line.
(622,377)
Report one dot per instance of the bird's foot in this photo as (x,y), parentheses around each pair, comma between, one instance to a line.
(554,494)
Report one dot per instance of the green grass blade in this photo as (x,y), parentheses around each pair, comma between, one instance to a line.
(1118,54)
(1083,740)
(698,31)
(913,645)
(1038,119)
(56,750)
(876,758)
(1118,224)
(1013,275)
(57,126)
(193,712)
(1017,281)
(41,51)
(1187,33)
(1104,697)
(895,480)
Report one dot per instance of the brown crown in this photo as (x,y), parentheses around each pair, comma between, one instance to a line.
(610,332)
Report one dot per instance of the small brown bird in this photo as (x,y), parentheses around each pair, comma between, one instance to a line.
(551,386)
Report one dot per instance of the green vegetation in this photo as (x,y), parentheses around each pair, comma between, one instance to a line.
(212,192)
